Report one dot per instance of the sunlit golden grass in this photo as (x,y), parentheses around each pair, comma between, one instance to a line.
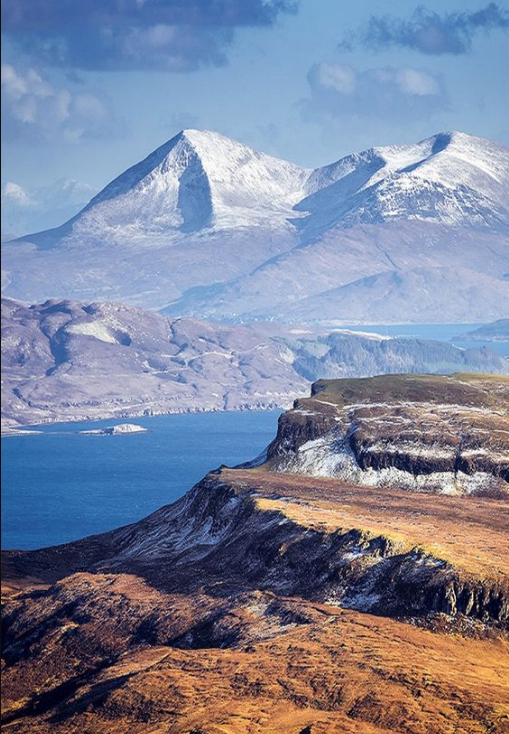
(472,533)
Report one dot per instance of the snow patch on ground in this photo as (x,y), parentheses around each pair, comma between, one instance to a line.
(332,456)
(97,329)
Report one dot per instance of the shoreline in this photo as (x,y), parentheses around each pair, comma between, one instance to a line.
(25,429)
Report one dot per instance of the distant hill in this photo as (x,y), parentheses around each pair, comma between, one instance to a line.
(498,331)
(68,360)
(431,433)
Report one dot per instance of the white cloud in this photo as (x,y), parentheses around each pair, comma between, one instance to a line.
(34,109)
(15,194)
(340,77)
(386,93)
(412,81)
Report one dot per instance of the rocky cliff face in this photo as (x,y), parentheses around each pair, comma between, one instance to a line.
(260,590)
(266,601)
(433,433)
(234,529)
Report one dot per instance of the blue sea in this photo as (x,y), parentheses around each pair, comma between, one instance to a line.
(60,485)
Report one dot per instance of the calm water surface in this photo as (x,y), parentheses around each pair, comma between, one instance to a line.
(59,485)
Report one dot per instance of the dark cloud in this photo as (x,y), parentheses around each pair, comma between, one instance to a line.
(398,95)
(429,32)
(173,35)
(35,110)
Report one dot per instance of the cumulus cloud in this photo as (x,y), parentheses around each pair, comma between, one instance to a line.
(173,35)
(340,77)
(34,110)
(384,93)
(429,32)
(13,193)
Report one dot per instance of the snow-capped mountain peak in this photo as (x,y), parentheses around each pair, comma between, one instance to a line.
(200,179)
(205,225)
(451,177)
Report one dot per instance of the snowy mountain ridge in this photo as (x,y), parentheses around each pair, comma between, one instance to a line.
(451,177)
(195,181)
(200,179)
(207,226)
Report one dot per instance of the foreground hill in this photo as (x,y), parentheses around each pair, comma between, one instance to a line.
(372,232)
(274,602)
(66,360)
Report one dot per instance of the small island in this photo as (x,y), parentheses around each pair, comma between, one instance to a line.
(119,430)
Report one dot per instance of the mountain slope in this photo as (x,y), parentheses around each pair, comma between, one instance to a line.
(452,290)
(198,180)
(66,360)
(206,226)
(498,331)
(451,178)
(272,602)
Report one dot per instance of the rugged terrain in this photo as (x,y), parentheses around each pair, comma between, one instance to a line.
(423,432)
(208,227)
(274,602)
(66,360)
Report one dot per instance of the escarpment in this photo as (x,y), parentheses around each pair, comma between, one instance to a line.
(292,595)
(447,434)
(243,530)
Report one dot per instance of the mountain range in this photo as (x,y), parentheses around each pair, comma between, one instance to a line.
(205,226)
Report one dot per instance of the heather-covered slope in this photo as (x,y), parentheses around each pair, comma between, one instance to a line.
(257,592)
(273,602)
(65,360)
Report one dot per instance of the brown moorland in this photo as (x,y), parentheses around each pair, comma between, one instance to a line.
(267,602)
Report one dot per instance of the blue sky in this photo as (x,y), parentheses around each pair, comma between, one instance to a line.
(89,89)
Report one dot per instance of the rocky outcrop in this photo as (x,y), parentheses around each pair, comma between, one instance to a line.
(265,602)
(446,434)
(118,430)
(223,532)
(128,629)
